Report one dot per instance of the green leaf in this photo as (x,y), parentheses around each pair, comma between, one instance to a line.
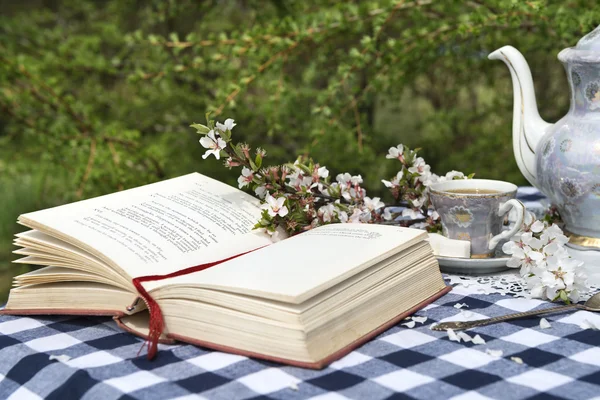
(258,161)
(237,149)
(202,129)
(304,169)
(226,136)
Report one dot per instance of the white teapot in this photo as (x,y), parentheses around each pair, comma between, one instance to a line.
(562,159)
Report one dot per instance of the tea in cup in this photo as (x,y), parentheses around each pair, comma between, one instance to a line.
(474,210)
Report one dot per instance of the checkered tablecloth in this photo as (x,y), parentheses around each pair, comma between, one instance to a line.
(562,361)
(518,360)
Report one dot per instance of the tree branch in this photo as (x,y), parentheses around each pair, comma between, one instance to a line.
(88,168)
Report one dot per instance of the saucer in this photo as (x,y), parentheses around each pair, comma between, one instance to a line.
(457,265)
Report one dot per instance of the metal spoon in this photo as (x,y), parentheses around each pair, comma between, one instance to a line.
(593,304)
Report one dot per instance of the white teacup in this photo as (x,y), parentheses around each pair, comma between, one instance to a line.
(474,210)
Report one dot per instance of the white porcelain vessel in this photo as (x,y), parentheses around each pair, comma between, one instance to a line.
(563,159)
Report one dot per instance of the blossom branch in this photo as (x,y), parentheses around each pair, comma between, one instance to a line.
(302,195)
(545,264)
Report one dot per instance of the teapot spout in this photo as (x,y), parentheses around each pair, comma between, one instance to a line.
(528,126)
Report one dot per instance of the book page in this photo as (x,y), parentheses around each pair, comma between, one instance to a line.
(297,268)
(162,227)
(49,244)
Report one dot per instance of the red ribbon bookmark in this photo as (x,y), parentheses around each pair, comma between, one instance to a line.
(157,322)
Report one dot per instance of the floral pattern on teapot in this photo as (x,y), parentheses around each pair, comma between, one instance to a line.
(569,171)
(585,87)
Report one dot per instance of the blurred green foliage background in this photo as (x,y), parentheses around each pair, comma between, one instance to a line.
(98,96)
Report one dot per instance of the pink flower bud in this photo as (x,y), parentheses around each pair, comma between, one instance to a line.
(229,163)
(246,150)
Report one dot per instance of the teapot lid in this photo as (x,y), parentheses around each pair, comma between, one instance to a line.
(587,49)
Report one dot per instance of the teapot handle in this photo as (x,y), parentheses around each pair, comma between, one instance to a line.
(504,208)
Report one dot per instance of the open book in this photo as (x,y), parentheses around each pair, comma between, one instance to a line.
(306,300)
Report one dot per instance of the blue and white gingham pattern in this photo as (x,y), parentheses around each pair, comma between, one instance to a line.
(102,362)
(562,361)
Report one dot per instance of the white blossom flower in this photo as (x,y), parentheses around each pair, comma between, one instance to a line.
(387,215)
(357,193)
(552,250)
(275,235)
(349,188)
(556,280)
(246,177)
(537,226)
(526,258)
(514,243)
(275,206)
(323,172)
(430,179)
(396,152)
(346,194)
(412,213)
(389,184)
(425,177)
(365,216)
(395,182)
(343,179)
(227,126)
(344,183)
(334,187)
(509,247)
(561,274)
(298,180)
(326,212)
(452,175)
(530,241)
(418,203)
(261,191)
(419,166)
(535,286)
(373,204)
(356,180)
(554,238)
(213,144)
(356,216)
(343,216)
